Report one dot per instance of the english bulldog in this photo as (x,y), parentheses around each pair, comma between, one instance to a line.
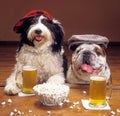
(88,58)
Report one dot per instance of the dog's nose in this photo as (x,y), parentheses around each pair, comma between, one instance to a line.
(38,31)
(86,53)
(86,57)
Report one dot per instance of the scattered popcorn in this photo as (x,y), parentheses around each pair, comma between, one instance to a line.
(71,107)
(11,113)
(9,100)
(19,112)
(76,103)
(30,111)
(49,112)
(60,104)
(15,110)
(107,98)
(3,103)
(84,92)
(118,110)
(66,101)
(112,112)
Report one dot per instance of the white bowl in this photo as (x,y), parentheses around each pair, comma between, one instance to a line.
(51,94)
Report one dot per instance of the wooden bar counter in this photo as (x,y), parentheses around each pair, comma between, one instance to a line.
(30,106)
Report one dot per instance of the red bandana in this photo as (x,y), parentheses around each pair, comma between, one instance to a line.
(29,15)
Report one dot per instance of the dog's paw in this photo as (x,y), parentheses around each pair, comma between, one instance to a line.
(11,89)
(58,79)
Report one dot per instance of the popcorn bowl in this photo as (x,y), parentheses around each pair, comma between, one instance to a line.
(50,94)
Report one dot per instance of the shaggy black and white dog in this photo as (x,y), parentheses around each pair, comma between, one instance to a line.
(40,46)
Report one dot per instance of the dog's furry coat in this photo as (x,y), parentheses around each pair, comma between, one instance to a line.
(40,46)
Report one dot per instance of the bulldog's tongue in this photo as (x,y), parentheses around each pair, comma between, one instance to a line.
(87,68)
(38,38)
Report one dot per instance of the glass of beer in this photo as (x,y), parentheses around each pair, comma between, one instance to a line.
(97,91)
(29,74)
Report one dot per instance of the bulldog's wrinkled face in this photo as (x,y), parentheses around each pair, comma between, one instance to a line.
(89,59)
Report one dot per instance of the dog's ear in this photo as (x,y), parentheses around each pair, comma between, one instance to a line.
(22,27)
(102,46)
(57,33)
(22,30)
(73,46)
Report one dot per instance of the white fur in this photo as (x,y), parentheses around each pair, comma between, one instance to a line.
(48,64)
(49,67)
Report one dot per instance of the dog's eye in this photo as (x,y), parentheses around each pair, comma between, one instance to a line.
(34,20)
(99,52)
(77,51)
(44,21)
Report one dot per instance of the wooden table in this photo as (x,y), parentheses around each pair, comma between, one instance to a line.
(30,106)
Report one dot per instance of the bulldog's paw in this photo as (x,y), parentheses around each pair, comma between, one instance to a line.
(12,89)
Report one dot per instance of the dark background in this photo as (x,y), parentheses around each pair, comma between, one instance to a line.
(77,16)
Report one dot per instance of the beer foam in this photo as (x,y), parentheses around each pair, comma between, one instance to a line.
(98,78)
(29,68)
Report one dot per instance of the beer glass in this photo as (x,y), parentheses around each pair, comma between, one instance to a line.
(97,91)
(29,74)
